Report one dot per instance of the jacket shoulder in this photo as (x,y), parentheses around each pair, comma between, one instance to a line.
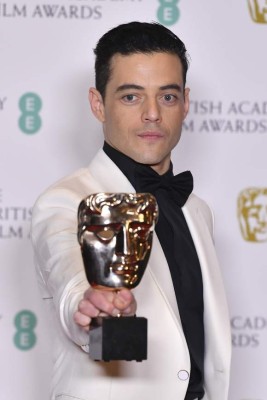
(69,188)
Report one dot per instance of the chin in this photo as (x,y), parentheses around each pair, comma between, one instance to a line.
(146,161)
(143,158)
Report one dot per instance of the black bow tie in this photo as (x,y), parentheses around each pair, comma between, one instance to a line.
(178,187)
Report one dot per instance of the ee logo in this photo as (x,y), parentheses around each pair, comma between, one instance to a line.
(25,322)
(30,105)
(168,12)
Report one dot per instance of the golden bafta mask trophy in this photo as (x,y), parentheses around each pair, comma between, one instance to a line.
(115,234)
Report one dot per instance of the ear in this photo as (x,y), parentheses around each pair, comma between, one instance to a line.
(97,104)
(186,101)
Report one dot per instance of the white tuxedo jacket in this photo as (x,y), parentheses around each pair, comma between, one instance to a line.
(165,375)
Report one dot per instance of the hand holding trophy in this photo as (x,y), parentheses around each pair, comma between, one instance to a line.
(115,234)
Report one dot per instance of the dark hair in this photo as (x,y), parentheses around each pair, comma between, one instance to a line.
(135,37)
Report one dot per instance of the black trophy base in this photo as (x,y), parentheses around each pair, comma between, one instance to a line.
(118,338)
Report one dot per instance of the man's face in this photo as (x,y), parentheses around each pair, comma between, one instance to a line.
(144,107)
(116,246)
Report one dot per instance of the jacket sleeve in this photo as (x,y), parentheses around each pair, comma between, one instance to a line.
(58,257)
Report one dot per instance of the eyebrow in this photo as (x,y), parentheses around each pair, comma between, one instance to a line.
(129,86)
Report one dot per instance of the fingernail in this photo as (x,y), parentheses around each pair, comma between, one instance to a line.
(115,312)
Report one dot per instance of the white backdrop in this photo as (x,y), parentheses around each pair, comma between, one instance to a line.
(47,131)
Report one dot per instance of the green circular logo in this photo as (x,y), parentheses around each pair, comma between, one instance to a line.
(25,322)
(30,105)
(168,12)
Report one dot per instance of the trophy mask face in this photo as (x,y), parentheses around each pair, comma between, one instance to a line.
(252,210)
(115,233)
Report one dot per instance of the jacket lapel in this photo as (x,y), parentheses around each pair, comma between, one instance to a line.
(216,318)
(108,176)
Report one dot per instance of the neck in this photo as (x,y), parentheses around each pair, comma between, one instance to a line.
(162,167)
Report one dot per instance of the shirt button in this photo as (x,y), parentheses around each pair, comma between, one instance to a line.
(183,375)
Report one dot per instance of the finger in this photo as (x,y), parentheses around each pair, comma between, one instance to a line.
(129,311)
(103,314)
(101,300)
(87,308)
(82,320)
(125,301)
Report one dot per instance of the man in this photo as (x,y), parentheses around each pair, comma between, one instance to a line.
(141,101)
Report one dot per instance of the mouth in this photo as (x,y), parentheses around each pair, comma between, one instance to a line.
(151,135)
(122,269)
(127,273)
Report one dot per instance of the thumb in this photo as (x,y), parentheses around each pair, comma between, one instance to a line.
(123,299)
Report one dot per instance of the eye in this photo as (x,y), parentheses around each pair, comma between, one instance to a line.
(129,98)
(140,230)
(105,232)
(169,98)
(253,212)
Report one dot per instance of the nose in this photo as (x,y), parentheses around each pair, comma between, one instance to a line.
(123,244)
(151,111)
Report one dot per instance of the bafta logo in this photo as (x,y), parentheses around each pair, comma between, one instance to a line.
(258,11)
(252,214)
